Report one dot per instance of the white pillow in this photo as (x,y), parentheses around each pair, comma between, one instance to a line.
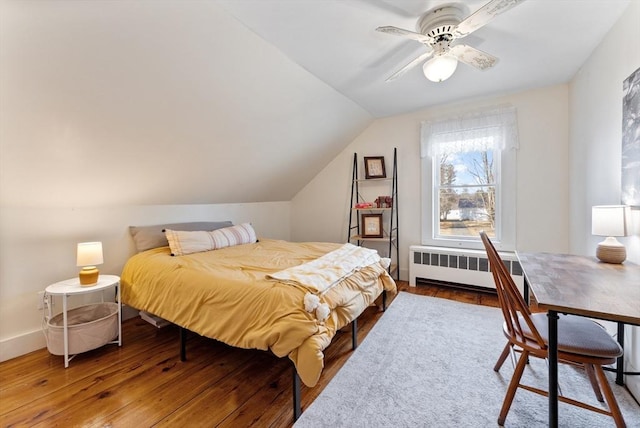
(148,237)
(185,242)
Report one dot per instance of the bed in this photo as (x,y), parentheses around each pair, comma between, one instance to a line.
(288,298)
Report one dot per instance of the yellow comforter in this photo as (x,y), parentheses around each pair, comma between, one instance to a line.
(226,295)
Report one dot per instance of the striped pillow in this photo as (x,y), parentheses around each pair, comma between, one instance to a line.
(184,242)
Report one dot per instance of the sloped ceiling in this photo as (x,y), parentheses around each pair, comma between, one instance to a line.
(218,101)
(136,102)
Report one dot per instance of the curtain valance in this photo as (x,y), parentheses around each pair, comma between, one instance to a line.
(486,130)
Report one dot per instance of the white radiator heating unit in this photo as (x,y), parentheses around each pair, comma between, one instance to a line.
(462,267)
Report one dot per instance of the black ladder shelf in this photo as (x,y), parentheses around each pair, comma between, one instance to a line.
(389,214)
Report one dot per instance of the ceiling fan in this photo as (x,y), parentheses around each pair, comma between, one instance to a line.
(438,28)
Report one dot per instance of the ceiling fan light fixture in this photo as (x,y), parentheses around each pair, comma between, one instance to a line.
(440,68)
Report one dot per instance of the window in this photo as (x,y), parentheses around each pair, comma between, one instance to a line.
(466,190)
(468,178)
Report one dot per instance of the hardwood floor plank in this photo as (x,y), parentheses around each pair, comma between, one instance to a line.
(54,380)
(275,400)
(80,394)
(19,372)
(145,401)
(221,398)
(144,383)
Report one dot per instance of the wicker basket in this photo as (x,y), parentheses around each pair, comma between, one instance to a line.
(89,327)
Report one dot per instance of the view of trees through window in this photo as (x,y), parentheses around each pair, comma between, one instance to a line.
(467,193)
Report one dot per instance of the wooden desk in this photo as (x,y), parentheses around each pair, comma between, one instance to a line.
(583,286)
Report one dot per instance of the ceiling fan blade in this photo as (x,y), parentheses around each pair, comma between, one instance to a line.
(409,66)
(404,33)
(473,57)
(483,15)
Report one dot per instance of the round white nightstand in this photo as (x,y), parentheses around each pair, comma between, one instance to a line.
(72,287)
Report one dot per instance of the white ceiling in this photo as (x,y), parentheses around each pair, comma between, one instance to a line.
(539,43)
(225,101)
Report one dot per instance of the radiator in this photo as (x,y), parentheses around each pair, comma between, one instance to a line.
(458,266)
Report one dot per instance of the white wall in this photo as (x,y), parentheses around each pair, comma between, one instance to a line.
(135,102)
(38,248)
(543,192)
(595,105)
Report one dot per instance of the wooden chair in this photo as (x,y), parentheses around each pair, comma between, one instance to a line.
(580,342)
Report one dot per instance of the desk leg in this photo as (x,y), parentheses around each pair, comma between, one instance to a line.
(65,331)
(526,290)
(620,361)
(553,369)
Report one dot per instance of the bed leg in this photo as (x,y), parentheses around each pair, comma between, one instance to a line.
(384,300)
(297,407)
(183,344)
(354,333)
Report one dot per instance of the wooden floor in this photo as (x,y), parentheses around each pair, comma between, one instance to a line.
(144,384)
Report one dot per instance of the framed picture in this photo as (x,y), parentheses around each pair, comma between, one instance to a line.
(374,167)
(372,225)
(631,140)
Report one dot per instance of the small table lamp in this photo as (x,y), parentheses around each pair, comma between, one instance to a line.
(89,255)
(610,221)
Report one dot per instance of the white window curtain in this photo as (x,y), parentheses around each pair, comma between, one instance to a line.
(486,130)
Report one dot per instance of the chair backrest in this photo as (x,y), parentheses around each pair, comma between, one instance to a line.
(514,308)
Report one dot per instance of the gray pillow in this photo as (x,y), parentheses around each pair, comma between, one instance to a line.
(148,237)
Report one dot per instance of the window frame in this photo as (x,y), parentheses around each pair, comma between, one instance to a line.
(437,187)
(505,161)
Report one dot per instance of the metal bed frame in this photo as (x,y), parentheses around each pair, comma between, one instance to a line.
(297,406)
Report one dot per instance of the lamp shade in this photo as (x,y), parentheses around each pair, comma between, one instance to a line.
(89,254)
(440,68)
(610,220)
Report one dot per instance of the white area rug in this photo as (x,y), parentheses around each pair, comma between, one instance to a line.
(428,362)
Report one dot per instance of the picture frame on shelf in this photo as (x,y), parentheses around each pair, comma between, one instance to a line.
(374,167)
(371,225)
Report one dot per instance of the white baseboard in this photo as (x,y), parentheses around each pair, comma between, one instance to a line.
(21,345)
(633,382)
(632,359)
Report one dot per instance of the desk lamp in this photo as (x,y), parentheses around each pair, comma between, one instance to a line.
(89,255)
(610,221)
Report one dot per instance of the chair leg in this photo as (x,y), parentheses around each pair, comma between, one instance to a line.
(503,357)
(513,386)
(609,397)
(594,382)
